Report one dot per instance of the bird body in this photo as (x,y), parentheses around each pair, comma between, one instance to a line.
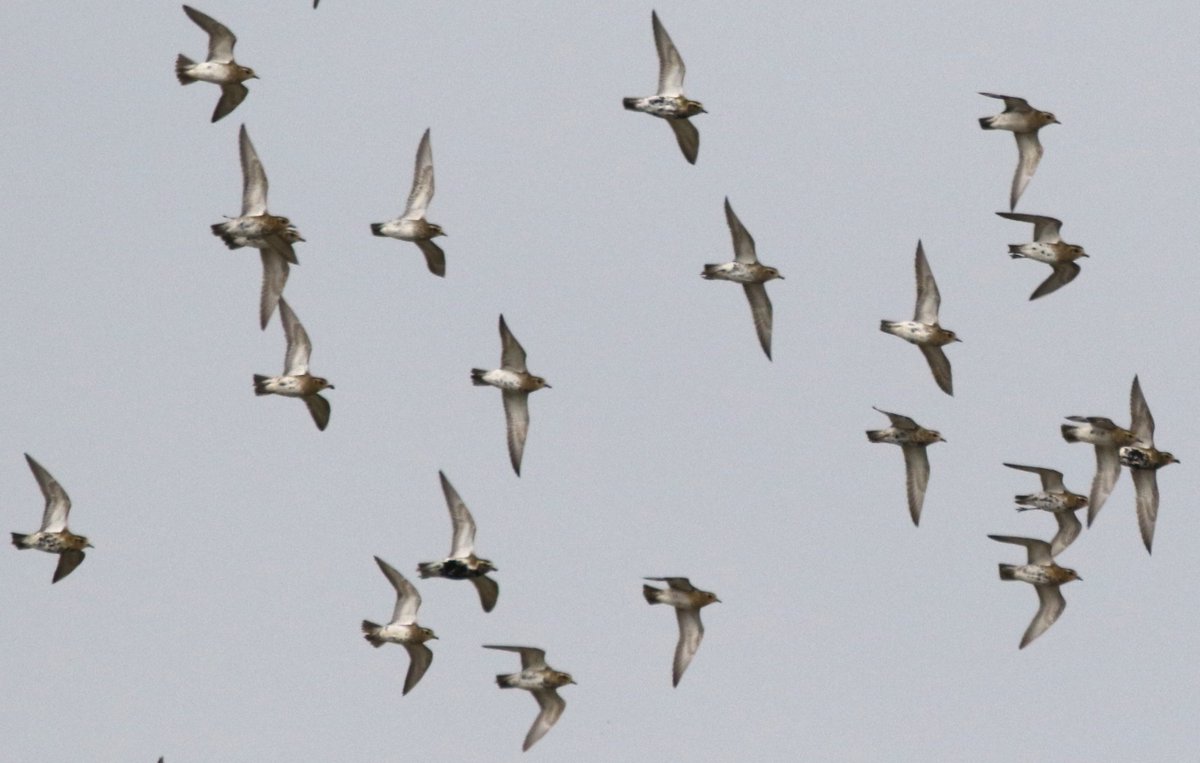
(924,330)
(296,381)
(462,564)
(53,537)
(219,68)
(687,601)
(542,681)
(515,381)
(669,102)
(912,439)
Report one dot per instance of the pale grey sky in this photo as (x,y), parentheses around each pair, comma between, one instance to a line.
(218,616)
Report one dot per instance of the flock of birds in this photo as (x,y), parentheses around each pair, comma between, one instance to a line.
(1133,447)
(274,237)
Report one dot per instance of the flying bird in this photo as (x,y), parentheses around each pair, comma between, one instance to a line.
(1047,247)
(403,628)
(219,68)
(542,681)
(1144,461)
(272,235)
(296,380)
(462,564)
(669,102)
(412,225)
(53,537)
(1023,121)
(687,601)
(1045,576)
(746,270)
(1108,439)
(923,330)
(515,383)
(912,439)
(1056,499)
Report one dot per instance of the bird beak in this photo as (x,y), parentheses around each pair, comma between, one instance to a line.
(957,339)
(549,387)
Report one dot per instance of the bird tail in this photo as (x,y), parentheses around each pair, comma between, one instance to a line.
(219,229)
(630,103)
(477,377)
(875,435)
(1008,572)
(377,228)
(19,540)
(651,593)
(1014,251)
(428,569)
(986,123)
(1070,433)
(371,633)
(885,326)
(260,384)
(1023,499)
(505,680)
(182,64)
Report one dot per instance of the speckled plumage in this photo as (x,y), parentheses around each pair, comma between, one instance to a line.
(271,234)
(1045,576)
(1144,460)
(462,564)
(542,681)
(924,330)
(669,102)
(1107,438)
(53,537)
(296,381)
(1047,247)
(403,628)
(746,270)
(1056,499)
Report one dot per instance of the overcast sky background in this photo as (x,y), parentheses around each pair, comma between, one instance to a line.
(218,616)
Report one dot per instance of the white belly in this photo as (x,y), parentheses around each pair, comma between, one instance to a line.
(503,378)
